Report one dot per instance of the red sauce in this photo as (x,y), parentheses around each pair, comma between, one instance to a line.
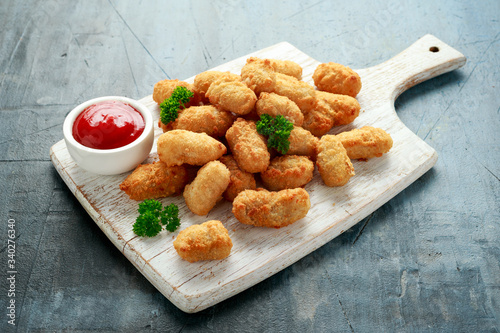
(108,125)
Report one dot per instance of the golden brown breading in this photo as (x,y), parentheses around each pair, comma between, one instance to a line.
(337,79)
(303,143)
(365,142)
(300,92)
(249,148)
(330,110)
(203,80)
(286,67)
(206,241)
(179,146)
(231,95)
(258,75)
(262,208)
(342,108)
(163,89)
(240,180)
(274,104)
(334,165)
(155,180)
(288,171)
(207,188)
(204,119)
(317,119)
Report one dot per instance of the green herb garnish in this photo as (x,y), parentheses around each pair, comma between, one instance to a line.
(169,108)
(152,218)
(277,131)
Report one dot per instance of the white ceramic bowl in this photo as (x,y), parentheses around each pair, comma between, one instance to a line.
(110,161)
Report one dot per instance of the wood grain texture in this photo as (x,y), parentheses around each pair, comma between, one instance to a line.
(259,253)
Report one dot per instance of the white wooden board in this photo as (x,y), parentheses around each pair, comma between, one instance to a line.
(259,252)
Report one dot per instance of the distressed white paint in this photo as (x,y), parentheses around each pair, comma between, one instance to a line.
(259,252)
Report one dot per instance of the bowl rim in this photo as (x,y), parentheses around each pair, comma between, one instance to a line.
(73,114)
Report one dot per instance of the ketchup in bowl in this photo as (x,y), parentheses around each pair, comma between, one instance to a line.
(108,125)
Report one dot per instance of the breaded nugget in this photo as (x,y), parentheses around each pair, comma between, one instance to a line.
(179,146)
(330,110)
(163,89)
(249,148)
(206,241)
(258,75)
(286,67)
(317,119)
(155,180)
(337,79)
(303,143)
(342,108)
(274,104)
(334,165)
(203,80)
(204,119)
(262,208)
(207,188)
(300,92)
(231,95)
(365,142)
(239,181)
(288,171)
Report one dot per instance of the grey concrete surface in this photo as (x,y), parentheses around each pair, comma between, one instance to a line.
(427,261)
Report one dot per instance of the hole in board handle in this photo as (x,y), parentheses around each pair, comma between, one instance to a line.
(434,49)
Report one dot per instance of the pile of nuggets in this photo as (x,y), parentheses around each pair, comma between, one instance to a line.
(213,150)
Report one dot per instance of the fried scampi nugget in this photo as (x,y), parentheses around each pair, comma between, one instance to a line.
(258,75)
(334,165)
(203,80)
(163,89)
(249,148)
(204,119)
(274,104)
(207,188)
(337,79)
(206,241)
(262,208)
(286,67)
(155,180)
(289,171)
(342,108)
(179,146)
(317,119)
(330,110)
(300,92)
(365,142)
(231,95)
(303,143)
(239,181)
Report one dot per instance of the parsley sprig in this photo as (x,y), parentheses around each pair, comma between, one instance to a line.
(153,218)
(277,130)
(169,108)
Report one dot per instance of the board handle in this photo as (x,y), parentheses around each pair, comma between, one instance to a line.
(427,58)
